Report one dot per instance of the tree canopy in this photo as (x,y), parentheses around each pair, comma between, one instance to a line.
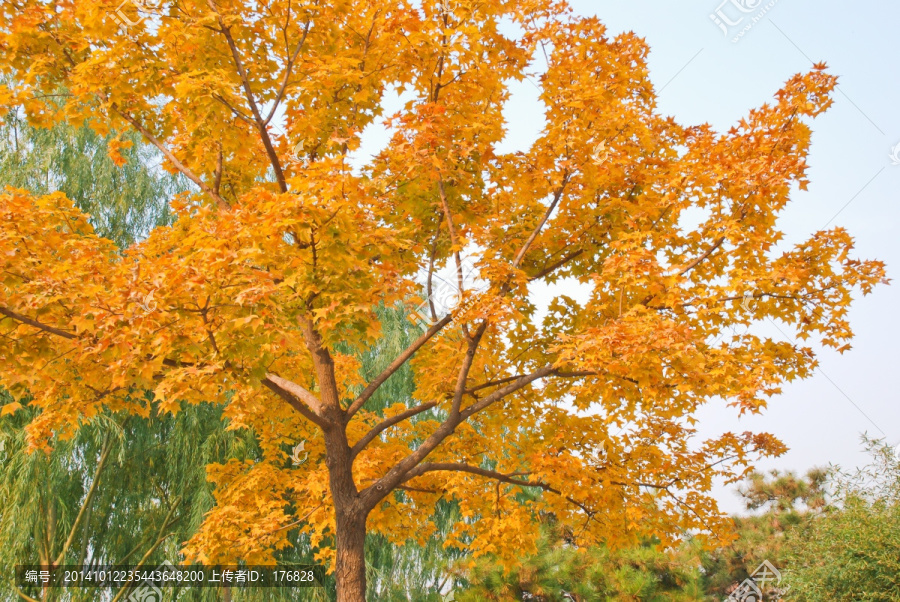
(263,293)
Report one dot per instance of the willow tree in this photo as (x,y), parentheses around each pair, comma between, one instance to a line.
(268,280)
(124,490)
(115,178)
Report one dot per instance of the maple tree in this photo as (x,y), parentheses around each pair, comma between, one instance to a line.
(262,295)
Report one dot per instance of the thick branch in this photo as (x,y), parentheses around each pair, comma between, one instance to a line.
(460,390)
(25,320)
(299,398)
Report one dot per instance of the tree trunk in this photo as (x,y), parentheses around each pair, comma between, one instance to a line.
(349,514)
(350,569)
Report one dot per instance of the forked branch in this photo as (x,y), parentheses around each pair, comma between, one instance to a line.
(401,359)
(396,475)
(388,423)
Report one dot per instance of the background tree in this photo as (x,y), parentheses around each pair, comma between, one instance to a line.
(116,179)
(280,262)
(123,487)
(560,571)
(777,503)
(852,550)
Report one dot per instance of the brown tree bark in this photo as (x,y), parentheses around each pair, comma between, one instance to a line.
(350,518)
(350,568)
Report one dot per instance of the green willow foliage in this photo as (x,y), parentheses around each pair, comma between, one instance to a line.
(851,551)
(150,495)
(125,202)
(151,490)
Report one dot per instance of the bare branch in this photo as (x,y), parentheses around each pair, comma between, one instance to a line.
(104,454)
(499,394)
(218,174)
(498,476)
(287,73)
(225,30)
(431,256)
(503,381)
(386,424)
(172,158)
(492,383)
(554,266)
(556,198)
(396,365)
(718,243)
(239,114)
(453,240)
(298,521)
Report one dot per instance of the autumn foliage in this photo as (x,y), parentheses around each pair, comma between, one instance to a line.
(263,294)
